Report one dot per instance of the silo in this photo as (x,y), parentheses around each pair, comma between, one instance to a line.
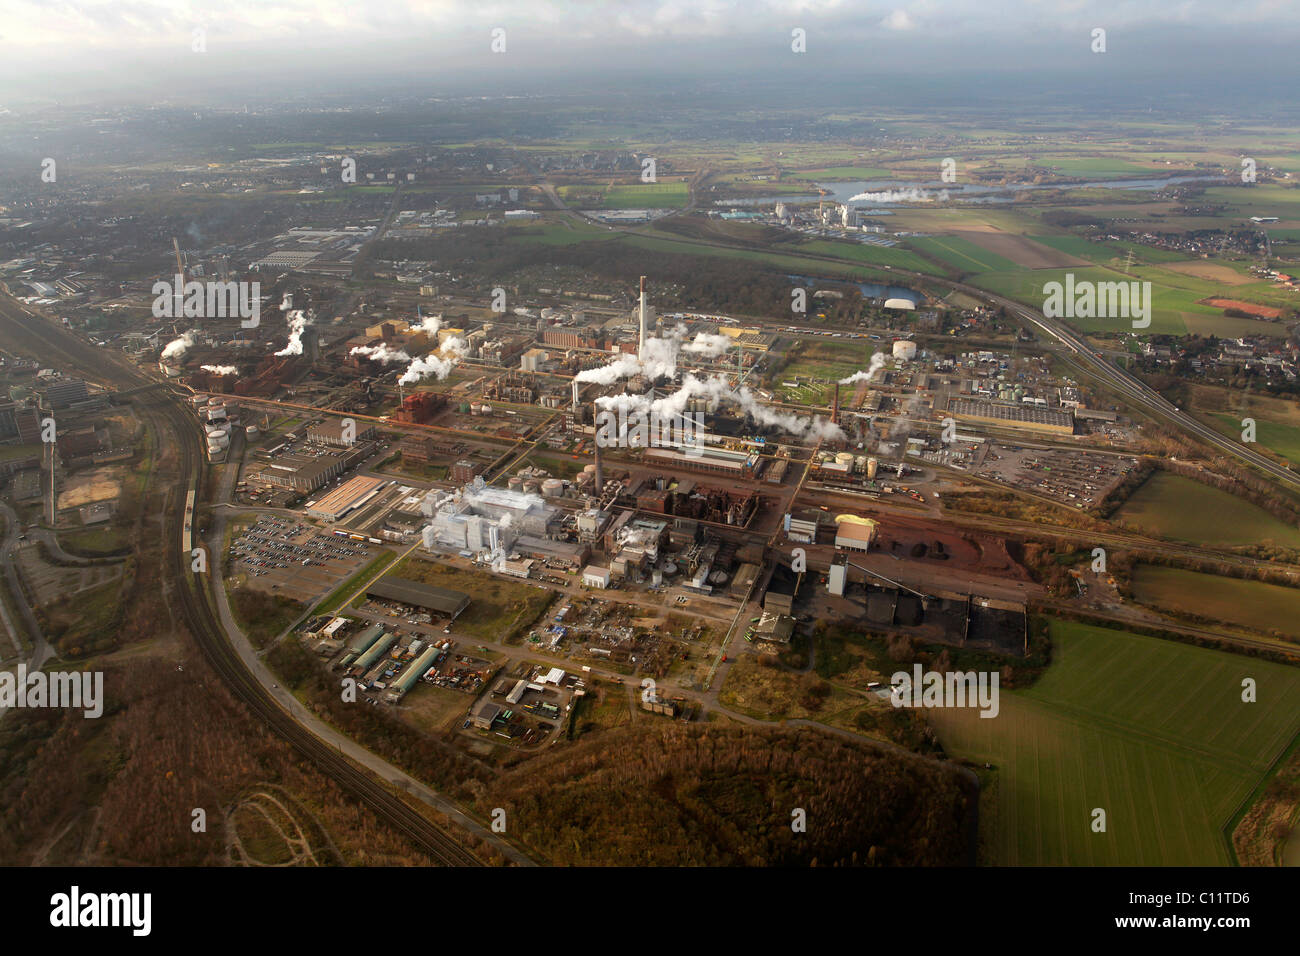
(552,487)
(872,465)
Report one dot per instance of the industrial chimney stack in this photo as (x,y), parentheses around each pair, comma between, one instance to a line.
(640,349)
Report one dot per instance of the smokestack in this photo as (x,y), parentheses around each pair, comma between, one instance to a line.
(575,397)
(835,409)
(600,474)
(640,349)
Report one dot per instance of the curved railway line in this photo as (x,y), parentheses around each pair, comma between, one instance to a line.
(48,342)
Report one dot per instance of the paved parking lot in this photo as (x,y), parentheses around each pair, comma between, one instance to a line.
(293,558)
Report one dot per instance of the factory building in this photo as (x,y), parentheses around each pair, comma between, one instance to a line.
(594,577)
(1032,418)
(717,461)
(346,497)
(853,533)
(480,517)
(442,601)
(333,432)
(414,671)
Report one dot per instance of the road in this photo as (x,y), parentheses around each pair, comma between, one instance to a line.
(38,336)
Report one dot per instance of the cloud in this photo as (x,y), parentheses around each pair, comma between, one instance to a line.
(898,20)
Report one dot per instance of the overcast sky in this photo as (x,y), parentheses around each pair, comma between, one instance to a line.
(58,47)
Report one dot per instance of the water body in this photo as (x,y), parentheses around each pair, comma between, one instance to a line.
(869,289)
(891,191)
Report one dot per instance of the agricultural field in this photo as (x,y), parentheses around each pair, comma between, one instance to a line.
(842,174)
(893,256)
(1253,604)
(962,254)
(661,195)
(1171,506)
(1176,306)
(1281,439)
(1152,732)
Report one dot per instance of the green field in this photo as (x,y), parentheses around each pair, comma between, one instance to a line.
(668,195)
(1152,732)
(1176,310)
(843,173)
(895,256)
(1253,604)
(1281,439)
(1171,506)
(962,254)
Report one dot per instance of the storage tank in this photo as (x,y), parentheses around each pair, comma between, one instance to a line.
(552,487)
(904,350)
(531,486)
(514,483)
(657,577)
(589,469)
(670,568)
(860,464)
(252,432)
(872,465)
(844,458)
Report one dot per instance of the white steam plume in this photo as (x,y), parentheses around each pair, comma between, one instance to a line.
(877,363)
(381,353)
(178,347)
(297,322)
(221,369)
(436,364)
(911,194)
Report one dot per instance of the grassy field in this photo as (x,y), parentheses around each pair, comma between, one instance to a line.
(1172,506)
(962,254)
(499,607)
(1152,732)
(1282,439)
(1253,604)
(842,173)
(664,195)
(895,256)
(345,590)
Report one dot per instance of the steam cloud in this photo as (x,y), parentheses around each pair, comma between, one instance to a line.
(658,359)
(438,365)
(716,391)
(297,322)
(178,347)
(381,353)
(877,363)
(912,194)
(220,369)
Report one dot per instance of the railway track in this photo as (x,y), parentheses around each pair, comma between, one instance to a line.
(51,344)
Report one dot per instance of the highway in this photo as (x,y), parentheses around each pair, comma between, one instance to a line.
(53,345)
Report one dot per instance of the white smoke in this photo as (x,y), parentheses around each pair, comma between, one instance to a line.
(912,194)
(297,322)
(178,347)
(715,390)
(658,358)
(877,363)
(429,325)
(708,345)
(286,303)
(221,369)
(381,353)
(437,364)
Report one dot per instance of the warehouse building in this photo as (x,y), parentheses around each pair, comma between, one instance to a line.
(336,432)
(853,533)
(442,601)
(1033,418)
(346,497)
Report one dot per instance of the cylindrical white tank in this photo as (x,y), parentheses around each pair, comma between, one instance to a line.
(552,487)
(872,465)
(844,458)
(904,350)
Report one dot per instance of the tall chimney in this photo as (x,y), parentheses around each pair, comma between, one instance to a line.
(835,409)
(575,397)
(640,349)
(600,475)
